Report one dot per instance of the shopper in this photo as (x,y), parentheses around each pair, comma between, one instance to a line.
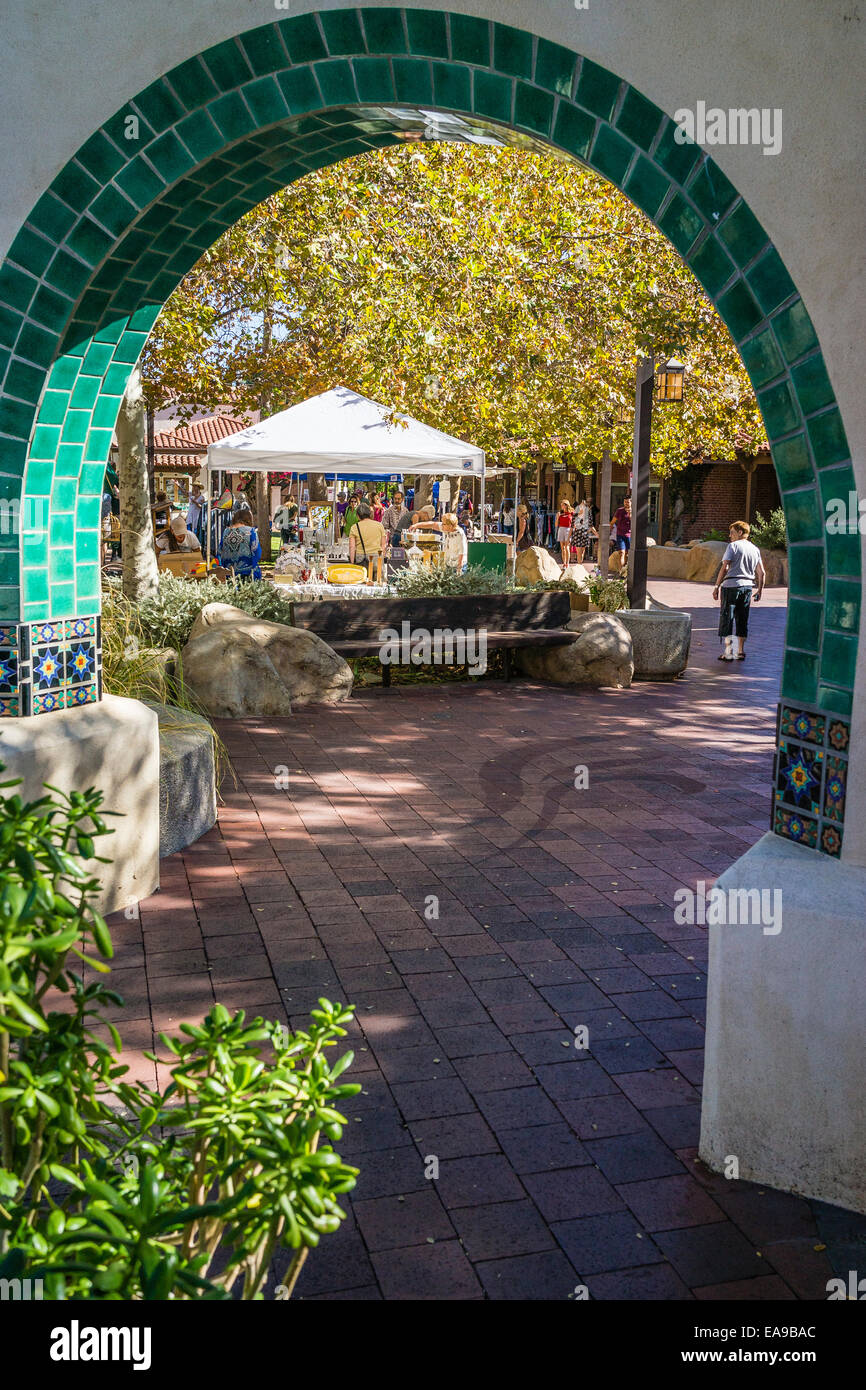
(522,538)
(350,516)
(455,546)
(392,514)
(740,575)
(240,549)
(178,537)
(580,532)
(366,536)
(622,522)
(564,522)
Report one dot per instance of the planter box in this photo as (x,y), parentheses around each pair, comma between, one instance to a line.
(660,642)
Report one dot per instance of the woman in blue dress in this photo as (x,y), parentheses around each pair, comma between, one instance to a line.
(240,549)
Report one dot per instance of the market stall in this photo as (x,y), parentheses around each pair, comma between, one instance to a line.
(345,437)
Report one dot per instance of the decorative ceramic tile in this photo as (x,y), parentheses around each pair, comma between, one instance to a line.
(835,782)
(839,735)
(802,829)
(48,667)
(798,776)
(65,669)
(8,670)
(831,841)
(48,702)
(804,725)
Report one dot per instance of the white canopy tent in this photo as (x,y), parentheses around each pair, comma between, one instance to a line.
(343,434)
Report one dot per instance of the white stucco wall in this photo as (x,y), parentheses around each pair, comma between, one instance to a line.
(68,67)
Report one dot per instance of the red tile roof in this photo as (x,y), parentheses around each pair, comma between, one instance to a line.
(193,439)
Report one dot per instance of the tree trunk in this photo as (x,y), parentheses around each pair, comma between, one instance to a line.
(423,492)
(140,571)
(263,513)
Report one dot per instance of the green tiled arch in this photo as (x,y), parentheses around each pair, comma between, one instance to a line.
(128,216)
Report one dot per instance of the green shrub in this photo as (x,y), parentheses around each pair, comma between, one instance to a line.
(608,595)
(772,534)
(716,535)
(108,1188)
(430,581)
(166,619)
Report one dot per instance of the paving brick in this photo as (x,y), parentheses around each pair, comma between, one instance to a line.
(599,1244)
(439,1271)
(547,1276)
(714,1254)
(472,1182)
(625,1158)
(542,1148)
(390,1223)
(572,1192)
(501,1230)
(666,1203)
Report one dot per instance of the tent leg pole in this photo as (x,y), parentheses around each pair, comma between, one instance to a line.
(208,513)
(483,512)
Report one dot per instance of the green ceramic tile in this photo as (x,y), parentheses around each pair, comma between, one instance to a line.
(17,288)
(232,116)
(804,516)
(835,701)
(10,327)
(105,412)
(192,82)
(779,410)
(75,427)
(413,81)
(113,211)
(33,551)
(97,446)
(842,608)
(712,265)
(9,568)
(837,486)
(711,191)
(116,378)
(812,384)
(36,345)
(492,96)
(40,476)
(86,549)
(611,154)
(743,234)
(227,64)
(264,50)
(800,678)
(101,159)
(85,393)
(25,382)
(68,464)
(46,438)
(266,101)
(739,310)
(91,478)
(300,89)
(97,359)
(470,40)
(827,435)
(647,186)
(676,159)
(806,571)
(770,281)
(63,597)
(452,86)
(793,329)
(554,67)
(512,51)
(762,358)
(793,464)
(838,659)
(64,373)
(384,31)
(804,625)
(200,135)
(159,106)
(89,241)
(16,418)
(597,89)
(843,556)
(52,217)
(68,274)
(343,33)
(336,82)
(31,252)
(428,33)
(533,108)
(639,118)
(574,130)
(63,495)
(681,224)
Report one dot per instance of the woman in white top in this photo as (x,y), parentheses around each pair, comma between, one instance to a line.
(454,543)
(178,537)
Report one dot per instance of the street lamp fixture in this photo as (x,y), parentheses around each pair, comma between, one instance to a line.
(670,376)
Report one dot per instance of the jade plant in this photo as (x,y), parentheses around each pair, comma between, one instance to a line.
(112,1189)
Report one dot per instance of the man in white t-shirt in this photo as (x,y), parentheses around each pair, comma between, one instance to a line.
(740,574)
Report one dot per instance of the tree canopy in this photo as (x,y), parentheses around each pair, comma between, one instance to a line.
(499,294)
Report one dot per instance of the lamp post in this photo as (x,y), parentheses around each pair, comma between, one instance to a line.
(668,387)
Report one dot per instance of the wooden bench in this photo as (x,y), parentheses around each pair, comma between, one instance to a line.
(354,627)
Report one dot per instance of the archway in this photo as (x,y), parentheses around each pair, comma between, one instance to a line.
(103,248)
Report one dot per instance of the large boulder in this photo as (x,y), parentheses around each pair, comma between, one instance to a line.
(536,565)
(704,561)
(232,677)
(312,671)
(576,573)
(775,564)
(660,641)
(668,562)
(602,654)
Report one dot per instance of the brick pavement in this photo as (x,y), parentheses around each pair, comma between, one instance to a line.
(433,864)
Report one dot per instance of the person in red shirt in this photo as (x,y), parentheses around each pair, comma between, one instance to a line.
(622,521)
(564,523)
